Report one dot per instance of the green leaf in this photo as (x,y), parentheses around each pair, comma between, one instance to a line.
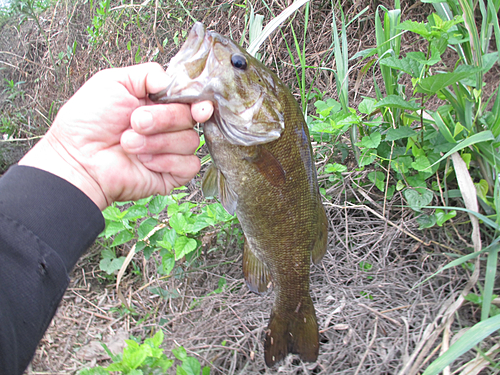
(180,353)
(442,216)
(335,167)
(158,203)
(191,366)
(110,265)
(437,82)
(167,262)
(164,293)
(179,222)
(396,101)
(325,108)
(113,213)
(168,239)
(399,133)
(219,212)
(108,253)
(408,65)
(93,371)
(482,188)
(402,164)
(146,227)
(367,106)
(205,371)
(370,141)
(135,354)
(418,198)
(426,221)
(138,55)
(183,246)
(416,27)
(136,212)
(467,341)
(378,178)
(144,201)
(122,237)
(157,339)
(367,157)
(112,228)
(421,163)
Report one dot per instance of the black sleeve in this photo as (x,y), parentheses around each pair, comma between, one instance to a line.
(46,224)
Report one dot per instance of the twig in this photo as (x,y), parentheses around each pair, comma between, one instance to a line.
(85,299)
(381,315)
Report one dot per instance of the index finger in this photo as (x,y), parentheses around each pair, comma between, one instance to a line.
(161,118)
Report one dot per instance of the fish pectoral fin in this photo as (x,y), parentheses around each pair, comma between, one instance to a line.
(257,275)
(214,184)
(319,248)
(228,198)
(292,332)
(268,166)
(209,184)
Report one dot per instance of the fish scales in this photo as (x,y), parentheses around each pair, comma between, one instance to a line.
(264,173)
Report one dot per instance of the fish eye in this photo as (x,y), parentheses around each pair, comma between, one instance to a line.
(239,62)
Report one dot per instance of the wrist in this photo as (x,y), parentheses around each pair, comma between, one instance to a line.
(49,155)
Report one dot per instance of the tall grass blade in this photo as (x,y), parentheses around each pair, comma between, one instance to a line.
(470,24)
(341,60)
(489,282)
(467,341)
(273,25)
(473,139)
(460,261)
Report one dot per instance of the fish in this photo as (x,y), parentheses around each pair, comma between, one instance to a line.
(263,171)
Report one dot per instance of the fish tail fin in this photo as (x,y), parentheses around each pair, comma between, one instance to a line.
(292,333)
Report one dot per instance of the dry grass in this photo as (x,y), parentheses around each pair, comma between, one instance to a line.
(371,321)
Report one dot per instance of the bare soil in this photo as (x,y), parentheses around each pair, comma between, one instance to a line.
(375,315)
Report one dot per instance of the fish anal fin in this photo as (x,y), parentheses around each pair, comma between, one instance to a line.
(228,198)
(320,245)
(209,184)
(268,166)
(295,332)
(257,275)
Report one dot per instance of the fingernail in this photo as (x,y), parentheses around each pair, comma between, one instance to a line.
(133,140)
(145,120)
(144,158)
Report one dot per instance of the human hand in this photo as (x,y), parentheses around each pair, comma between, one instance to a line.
(114,145)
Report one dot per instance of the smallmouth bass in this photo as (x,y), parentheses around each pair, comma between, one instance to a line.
(264,172)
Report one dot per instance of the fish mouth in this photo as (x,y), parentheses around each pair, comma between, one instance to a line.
(187,69)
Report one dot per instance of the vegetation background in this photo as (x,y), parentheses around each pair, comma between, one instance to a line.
(404,188)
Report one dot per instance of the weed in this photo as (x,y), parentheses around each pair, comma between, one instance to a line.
(13,90)
(96,31)
(174,238)
(147,359)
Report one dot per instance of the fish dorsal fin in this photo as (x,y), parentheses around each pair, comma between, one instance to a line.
(319,248)
(228,198)
(257,275)
(209,184)
(247,132)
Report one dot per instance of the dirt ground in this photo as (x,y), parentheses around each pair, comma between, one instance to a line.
(373,320)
